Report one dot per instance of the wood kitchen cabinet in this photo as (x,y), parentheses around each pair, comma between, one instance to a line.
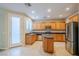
(53,26)
(57,25)
(42,25)
(38,25)
(45,44)
(60,26)
(30,39)
(73,18)
(48,45)
(34,25)
(63,25)
(59,37)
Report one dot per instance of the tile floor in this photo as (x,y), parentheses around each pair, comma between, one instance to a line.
(36,50)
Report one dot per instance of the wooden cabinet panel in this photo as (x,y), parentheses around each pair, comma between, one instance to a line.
(29,39)
(57,25)
(48,45)
(34,25)
(54,25)
(45,44)
(42,25)
(76,18)
(60,26)
(39,25)
(54,36)
(73,18)
(59,37)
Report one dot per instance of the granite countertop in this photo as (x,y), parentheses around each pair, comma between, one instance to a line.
(49,36)
(43,31)
(30,33)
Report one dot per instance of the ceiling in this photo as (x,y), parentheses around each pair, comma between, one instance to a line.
(39,11)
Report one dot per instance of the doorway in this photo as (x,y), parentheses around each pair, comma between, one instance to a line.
(15,32)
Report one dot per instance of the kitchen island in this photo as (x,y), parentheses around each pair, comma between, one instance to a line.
(48,43)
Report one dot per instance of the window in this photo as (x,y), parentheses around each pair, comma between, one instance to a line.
(15,29)
(28,25)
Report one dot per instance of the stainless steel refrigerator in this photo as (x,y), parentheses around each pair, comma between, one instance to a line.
(71,42)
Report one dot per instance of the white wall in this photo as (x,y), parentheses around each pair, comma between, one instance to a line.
(28,25)
(3,29)
(22,26)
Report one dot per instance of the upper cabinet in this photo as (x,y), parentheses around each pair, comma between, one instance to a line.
(60,25)
(38,25)
(53,25)
(74,18)
(56,25)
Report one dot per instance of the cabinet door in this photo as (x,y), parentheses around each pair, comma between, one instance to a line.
(50,45)
(27,39)
(38,26)
(33,38)
(74,18)
(57,25)
(41,25)
(62,26)
(53,26)
(45,44)
(54,36)
(60,37)
(34,25)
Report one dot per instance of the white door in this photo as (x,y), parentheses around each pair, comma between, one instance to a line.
(15,41)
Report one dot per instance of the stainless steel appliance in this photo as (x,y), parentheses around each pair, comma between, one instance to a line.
(78,37)
(72,38)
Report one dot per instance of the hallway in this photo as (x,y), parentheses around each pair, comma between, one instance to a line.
(36,50)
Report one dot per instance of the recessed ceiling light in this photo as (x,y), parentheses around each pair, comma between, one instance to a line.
(48,16)
(33,12)
(67,9)
(49,10)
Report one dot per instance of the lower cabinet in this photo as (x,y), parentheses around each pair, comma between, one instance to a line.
(48,45)
(59,37)
(45,44)
(30,39)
